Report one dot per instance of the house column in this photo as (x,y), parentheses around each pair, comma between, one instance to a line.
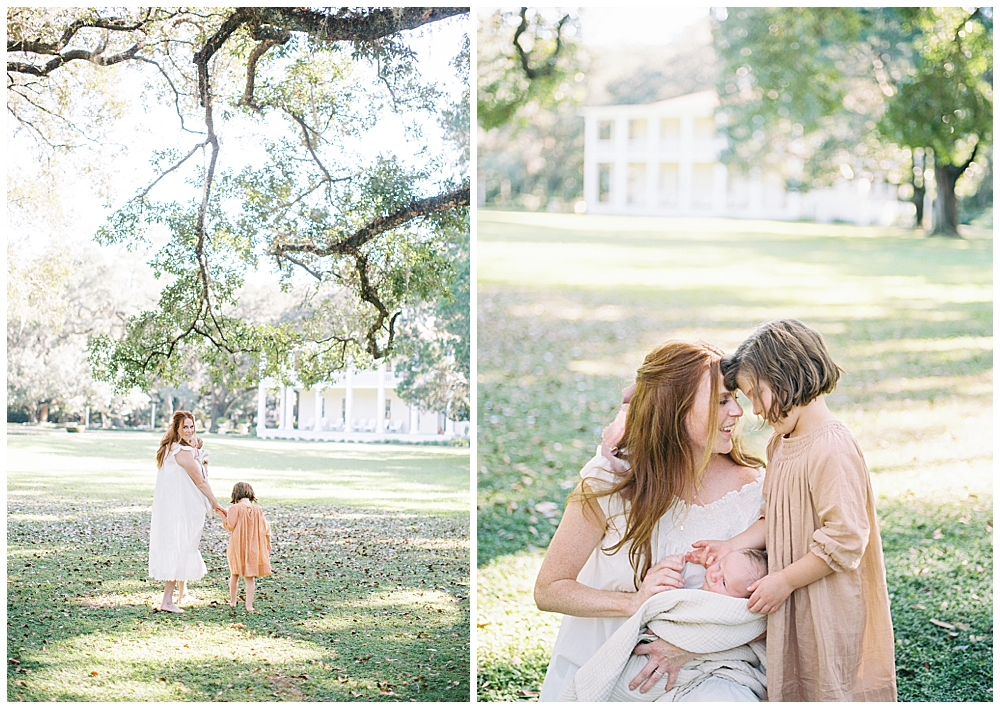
(290,408)
(413,419)
(653,163)
(380,399)
(282,402)
(261,409)
(619,176)
(349,397)
(318,426)
(590,189)
(685,165)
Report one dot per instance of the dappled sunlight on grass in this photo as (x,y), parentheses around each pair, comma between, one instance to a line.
(909,319)
(82,614)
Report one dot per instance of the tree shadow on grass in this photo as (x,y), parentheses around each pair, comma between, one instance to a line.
(361,605)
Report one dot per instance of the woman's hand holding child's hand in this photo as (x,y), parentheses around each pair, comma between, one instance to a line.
(663,576)
(707,551)
(768,593)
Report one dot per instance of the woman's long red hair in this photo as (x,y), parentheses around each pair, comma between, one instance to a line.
(173,435)
(662,458)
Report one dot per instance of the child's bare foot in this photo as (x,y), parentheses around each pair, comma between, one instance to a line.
(171,608)
(250,609)
(232,604)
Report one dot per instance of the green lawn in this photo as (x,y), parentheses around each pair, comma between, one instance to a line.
(569,305)
(368,601)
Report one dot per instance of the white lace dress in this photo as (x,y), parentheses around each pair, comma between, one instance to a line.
(579,638)
(179,510)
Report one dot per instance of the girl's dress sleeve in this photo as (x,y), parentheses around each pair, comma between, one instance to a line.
(232,517)
(838,481)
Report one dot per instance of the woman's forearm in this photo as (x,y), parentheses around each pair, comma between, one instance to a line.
(574,598)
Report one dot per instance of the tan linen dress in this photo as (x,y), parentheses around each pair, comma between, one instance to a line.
(832,639)
(250,543)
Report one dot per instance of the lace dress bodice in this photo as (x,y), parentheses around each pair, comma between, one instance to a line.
(579,638)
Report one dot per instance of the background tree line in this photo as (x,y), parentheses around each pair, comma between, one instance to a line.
(371,243)
(902,95)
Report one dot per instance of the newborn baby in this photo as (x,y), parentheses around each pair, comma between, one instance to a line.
(732,574)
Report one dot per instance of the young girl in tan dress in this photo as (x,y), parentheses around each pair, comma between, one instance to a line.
(250,543)
(829,632)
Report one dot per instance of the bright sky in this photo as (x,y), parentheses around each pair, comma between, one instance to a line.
(436,46)
(611,26)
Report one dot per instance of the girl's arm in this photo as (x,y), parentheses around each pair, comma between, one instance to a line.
(708,551)
(186,460)
(768,593)
(579,533)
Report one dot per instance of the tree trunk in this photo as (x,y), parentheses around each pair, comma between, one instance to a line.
(945,211)
(919,187)
(43,412)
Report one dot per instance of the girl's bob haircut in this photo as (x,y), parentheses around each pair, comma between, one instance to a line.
(790,358)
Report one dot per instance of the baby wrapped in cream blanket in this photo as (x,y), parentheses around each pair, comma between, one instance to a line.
(719,628)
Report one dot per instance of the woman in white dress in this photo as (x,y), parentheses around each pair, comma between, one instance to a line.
(685,478)
(181,500)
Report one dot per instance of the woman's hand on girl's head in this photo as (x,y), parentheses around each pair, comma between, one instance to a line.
(707,551)
(767,594)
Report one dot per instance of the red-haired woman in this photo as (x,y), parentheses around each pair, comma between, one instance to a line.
(685,479)
(181,500)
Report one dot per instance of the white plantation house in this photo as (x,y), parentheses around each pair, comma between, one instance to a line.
(356,406)
(662,159)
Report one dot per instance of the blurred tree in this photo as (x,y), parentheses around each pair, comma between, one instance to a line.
(529,89)
(312,80)
(57,301)
(523,58)
(824,93)
(435,347)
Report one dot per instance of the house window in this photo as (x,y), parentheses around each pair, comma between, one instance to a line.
(388,408)
(670,131)
(637,183)
(704,130)
(322,406)
(637,131)
(702,180)
(343,410)
(669,183)
(604,182)
(604,130)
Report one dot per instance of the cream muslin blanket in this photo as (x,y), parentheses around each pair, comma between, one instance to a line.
(719,628)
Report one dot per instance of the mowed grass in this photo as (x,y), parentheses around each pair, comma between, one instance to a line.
(368,601)
(569,306)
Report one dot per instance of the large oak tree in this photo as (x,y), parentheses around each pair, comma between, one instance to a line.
(374,234)
(858,92)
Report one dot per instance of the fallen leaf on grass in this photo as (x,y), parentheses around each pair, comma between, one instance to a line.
(920,606)
(342,680)
(527,693)
(942,624)
(961,626)
(13,661)
(483,625)
(93,673)
(235,625)
(937,534)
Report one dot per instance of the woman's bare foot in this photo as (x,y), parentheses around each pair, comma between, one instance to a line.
(250,609)
(171,608)
(186,599)
(232,604)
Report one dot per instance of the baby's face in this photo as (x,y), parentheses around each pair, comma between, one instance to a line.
(730,576)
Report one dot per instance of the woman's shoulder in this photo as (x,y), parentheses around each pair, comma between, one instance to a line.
(598,470)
